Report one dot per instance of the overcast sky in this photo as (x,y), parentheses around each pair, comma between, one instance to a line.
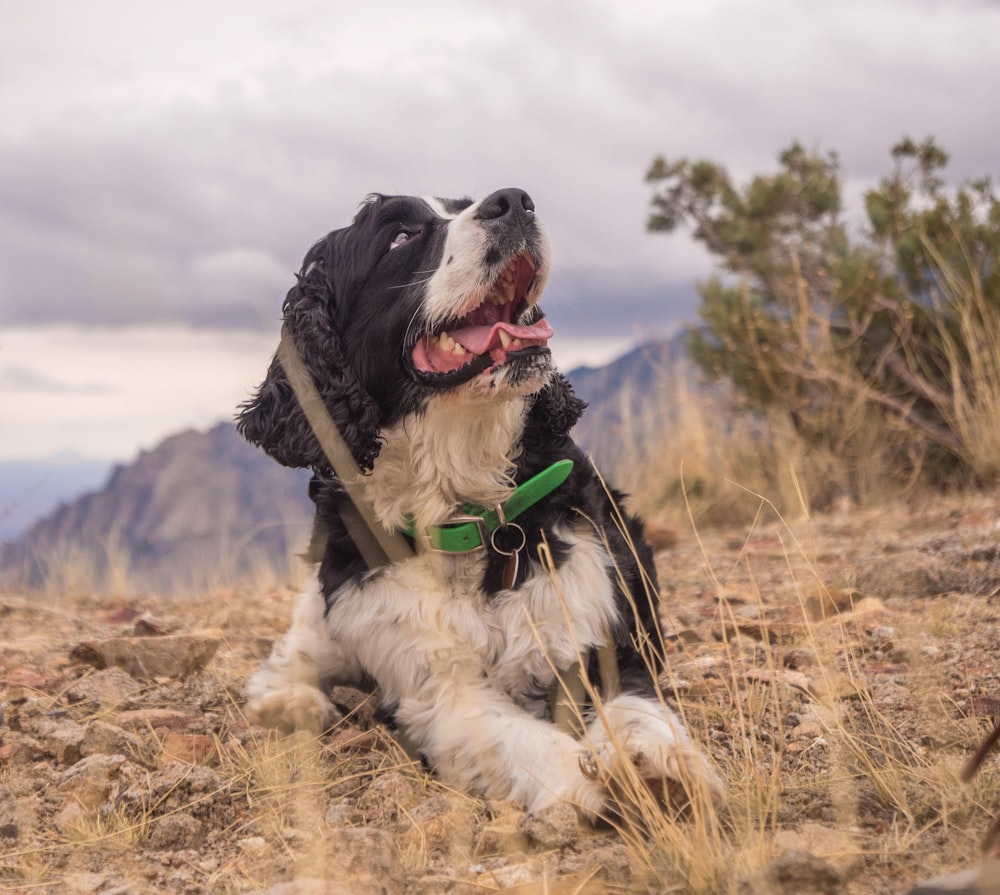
(164,167)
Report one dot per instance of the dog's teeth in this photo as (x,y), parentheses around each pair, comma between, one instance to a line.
(446,342)
(515,344)
(505,339)
(458,349)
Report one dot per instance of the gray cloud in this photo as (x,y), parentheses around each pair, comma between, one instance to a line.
(180,175)
(20,379)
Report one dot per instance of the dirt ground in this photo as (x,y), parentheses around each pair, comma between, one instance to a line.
(840,670)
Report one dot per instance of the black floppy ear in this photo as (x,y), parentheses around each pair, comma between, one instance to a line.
(273,419)
(557,408)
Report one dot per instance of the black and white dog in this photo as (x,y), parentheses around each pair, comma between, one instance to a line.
(420,326)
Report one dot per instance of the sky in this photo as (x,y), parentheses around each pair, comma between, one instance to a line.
(164,167)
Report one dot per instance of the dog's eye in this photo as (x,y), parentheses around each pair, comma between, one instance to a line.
(401,237)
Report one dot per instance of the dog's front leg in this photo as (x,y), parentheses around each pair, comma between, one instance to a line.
(429,648)
(286,691)
(477,737)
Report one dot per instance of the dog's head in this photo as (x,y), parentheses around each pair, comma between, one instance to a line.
(417,298)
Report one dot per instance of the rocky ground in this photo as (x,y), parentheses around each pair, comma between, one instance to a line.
(841,671)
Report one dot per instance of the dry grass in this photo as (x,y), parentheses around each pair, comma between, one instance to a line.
(875,789)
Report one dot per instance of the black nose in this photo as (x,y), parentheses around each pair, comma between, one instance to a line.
(510,206)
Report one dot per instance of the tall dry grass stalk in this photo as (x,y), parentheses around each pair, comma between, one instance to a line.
(973,411)
(710,456)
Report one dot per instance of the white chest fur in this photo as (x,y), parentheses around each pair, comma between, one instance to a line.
(457,451)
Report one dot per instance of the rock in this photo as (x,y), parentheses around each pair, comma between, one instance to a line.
(22,683)
(194,789)
(366,864)
(807,730)
(151,719)
(71,819)
(104,689)
(145,658)
(388,797)
(794,873)
(193,748)
(60,738)
(442,828)
(503,834)
(88,884)
(829,602)
(841,848)
(352,739)
(911,573)
(175,832)
(254,847)
(91,779)
(10,826)
(554,827)
(101,738)
(343,813)
(799,658)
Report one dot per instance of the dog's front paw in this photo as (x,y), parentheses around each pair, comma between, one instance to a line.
(299,707)
(677,773)
(647,747)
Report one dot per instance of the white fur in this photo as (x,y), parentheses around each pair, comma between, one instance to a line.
(457,451)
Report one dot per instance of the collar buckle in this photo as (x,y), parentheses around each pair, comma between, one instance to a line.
(433,536)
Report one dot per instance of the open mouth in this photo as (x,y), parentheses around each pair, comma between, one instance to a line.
(487,335)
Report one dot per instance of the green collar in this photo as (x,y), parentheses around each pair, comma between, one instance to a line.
(473,529)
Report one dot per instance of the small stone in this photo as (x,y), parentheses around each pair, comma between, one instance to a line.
(911,573)
(388,797)
(353,739)
(192,748)
(175,832)
(151,719)
(343,813)
(101,738)
(10,827)
(807,730)
(60,738)
(554,827)
(842,848)
(798,658)
(22,680)
(503,835)
(442,827)
(883,637)
(794,873)
(253,846)
(172,656)
(90,780)
(104,689)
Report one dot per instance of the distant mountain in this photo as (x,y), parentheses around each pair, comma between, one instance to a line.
(31,488)
(629,401)
(199,509)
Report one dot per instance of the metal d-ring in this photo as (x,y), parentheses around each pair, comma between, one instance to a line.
(503,526)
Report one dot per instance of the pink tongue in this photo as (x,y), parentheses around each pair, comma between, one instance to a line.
(480,339)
